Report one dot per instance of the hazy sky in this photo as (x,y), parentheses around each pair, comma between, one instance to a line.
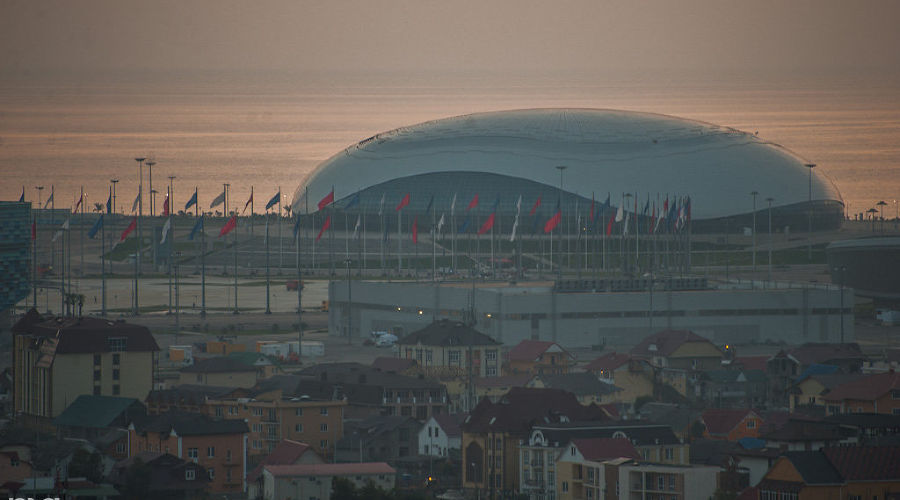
(783,36)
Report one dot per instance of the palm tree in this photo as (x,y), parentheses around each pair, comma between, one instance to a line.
(98,207)
(287,210)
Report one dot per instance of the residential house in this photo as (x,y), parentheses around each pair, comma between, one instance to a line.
(870,428)
(168,476)
(844,472)
(492,431)
(219,446)
(727,388)
(89,416)
(15,467)
(876,393)
(402,366)
(848,357)
(188,398)
(731,424)
(224,371)
(678,356)
(810,390)
(287,452)
(539,452)
(586,386)
(450,348)
(417,397)
(389,438)
(887,360)
(495,388)
(58,359)
(314,481)
(538,357)
(633,376)
(799,434)
(680,419)
(581,469)
(440,435)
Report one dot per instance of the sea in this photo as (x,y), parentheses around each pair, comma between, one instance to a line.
(268,130)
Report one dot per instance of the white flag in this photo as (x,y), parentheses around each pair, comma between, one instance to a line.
(62,228)
(381,206)
(512,235)
(519,206)
(356,228)
(137,199)
(165,230)
(440,223)
(627,217)
(453,205)
(620,214)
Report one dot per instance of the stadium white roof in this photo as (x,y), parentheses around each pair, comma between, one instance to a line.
(603,150)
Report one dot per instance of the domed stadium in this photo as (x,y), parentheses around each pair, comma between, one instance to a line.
(500,156)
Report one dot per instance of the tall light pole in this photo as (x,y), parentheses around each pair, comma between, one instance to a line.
(150,164)
(114,182)
(809,212)
(561,168)
(754,194)
(34,258)
(769,200)
(171,201)
(140,227)
(881,205)
(349,304)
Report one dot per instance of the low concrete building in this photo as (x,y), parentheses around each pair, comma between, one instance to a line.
(313,481)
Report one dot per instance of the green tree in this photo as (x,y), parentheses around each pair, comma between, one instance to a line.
(137,481)
(343,489)
(87,465)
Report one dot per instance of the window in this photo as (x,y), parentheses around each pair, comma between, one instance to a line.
(96,375)
(751,424)
(298,428)
(190,475)
(323,410)
(895,394)
(228,475)
(228,455)
(257,444)
(429,356)
(256,412)
(660,482)
(211,451)
(525,457)
(490,355)
(116,390)
(200,377)
(193,453)
(117,344)
(232,410)
(116,358)
(453,357)
(115,374)
(669,453)
(403,434)
(323,444)
(257,427)
(299,412)
(120,447)
(672,482)
(565,486)
(97,360)
(490,371)
(211,473)
(323,427)
(96,390)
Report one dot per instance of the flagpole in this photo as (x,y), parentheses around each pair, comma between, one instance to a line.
(68,262)
(168,247)
(399,243)
(433,243)
(251,209)
(202,259)
(103,266)
(268,308)
(81,235)
(331,238)
(299,294)
(235,244)
(280,241)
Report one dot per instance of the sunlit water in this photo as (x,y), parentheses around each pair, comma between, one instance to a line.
(268,132)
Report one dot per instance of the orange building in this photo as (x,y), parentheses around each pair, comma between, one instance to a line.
(879,393)
(220,446)
(839,473)
(538,357)
(731,425)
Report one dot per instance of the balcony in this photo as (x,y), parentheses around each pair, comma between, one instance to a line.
(534,484)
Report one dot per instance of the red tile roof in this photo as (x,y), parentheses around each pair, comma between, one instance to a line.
(609,361)
(599,449)
(503,381)
(866,388)
(813,352)
(530,350)
(286,453)
(521,407)
(665,342)
(348,469)
(752,362)
(723,421)
(869,463)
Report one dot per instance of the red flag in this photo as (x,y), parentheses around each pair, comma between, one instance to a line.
(473,203)
(535,206)
(129,229)
(231,224)
(33,230)
(325,226)
(403,202)
(166,206)
(552,222)
(652,220)
(488,224)
(609,224)
(75,210)
(415,229)
(327,200)
(251,201)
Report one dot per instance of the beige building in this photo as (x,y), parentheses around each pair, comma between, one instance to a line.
(633,376)
(240,369)
(56,360)
(450,348)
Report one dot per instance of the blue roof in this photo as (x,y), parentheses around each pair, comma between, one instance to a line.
(816,369)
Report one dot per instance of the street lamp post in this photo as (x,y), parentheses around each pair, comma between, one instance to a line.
(140,228)
(881,205)
(150,164)
(809,211)
(754,194)
(169,240)
(769,200)
(114,182)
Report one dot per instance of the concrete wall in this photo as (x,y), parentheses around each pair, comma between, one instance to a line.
(730,315)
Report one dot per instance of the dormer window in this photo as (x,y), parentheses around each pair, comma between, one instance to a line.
(117,344)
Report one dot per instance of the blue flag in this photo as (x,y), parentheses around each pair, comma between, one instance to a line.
(192,201)
(96,227)
(465,225)
(353,202)
(297,226)
(430,203)
(109,205)
(197,227)
(496,203)
(22,198)
(274,201)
